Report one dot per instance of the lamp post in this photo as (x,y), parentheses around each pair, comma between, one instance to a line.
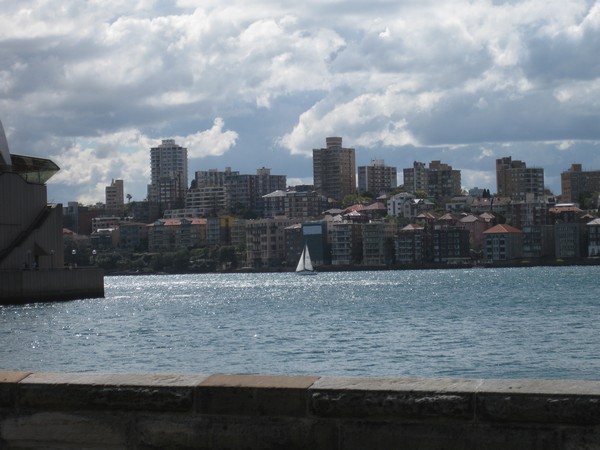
(73,255)
(93,257)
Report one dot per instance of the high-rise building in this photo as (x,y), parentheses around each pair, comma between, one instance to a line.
(376,178)
(115,199)
(169,175)
(439,180)
(514,179)
(575,182)
(334,170)
(244,192)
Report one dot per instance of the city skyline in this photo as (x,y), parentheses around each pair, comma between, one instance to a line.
(95,86)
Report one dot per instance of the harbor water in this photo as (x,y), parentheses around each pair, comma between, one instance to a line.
(538,322)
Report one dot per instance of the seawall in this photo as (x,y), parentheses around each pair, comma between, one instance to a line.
(24,286)
(146,411)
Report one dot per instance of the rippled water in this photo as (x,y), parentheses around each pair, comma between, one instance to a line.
(475,323)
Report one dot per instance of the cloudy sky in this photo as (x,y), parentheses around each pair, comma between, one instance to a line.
(93,85)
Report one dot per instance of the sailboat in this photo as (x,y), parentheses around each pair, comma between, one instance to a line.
(305,266)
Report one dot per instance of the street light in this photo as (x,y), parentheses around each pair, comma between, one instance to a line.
(73,254)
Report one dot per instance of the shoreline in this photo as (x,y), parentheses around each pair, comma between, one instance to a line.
(360,268)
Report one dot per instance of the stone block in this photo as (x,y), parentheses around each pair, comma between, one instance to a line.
(111,392)
(233,432)
(409,399)
(538,401)
(61,430)
(254,395)
(358,435)
(8,386)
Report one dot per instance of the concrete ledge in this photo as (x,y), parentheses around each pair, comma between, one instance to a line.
(25,286)
(54,410)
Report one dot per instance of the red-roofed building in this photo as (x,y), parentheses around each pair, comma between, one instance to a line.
(172,234)
(503,242)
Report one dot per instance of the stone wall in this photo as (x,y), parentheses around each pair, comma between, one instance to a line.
(24,286)
(94,411)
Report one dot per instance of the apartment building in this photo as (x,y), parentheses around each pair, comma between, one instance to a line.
(439,180)
(265,242)
(377,241)
(412,245)
(503,242)
(173,234)
(377,178)
(168,175)
(593,235)
(346,243)
(515,180)
(334,170)
(114,196)
(576,182)
(207,200)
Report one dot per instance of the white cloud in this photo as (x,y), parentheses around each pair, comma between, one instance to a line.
(214,141)
(103,77)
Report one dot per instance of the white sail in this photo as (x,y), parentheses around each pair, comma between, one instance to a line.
(300,266)
(305,263)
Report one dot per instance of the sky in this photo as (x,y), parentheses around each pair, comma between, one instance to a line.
(94,85)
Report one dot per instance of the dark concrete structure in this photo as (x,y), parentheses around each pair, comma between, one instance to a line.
(31,240)
(96,411)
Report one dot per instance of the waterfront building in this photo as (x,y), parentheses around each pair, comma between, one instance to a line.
(412,245)
(476,225)
(265,242)
(575,183)
(593,235)
(538,241)
(115,197)
(569,240)
(439,180)
(132,236)
(503,242)
(346,243)
(169,177)
(515,180)
(378,243)
(569,230)
(174,234)
(377,178)
(294,244)
(334,170)
(314,235)
(450,244)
